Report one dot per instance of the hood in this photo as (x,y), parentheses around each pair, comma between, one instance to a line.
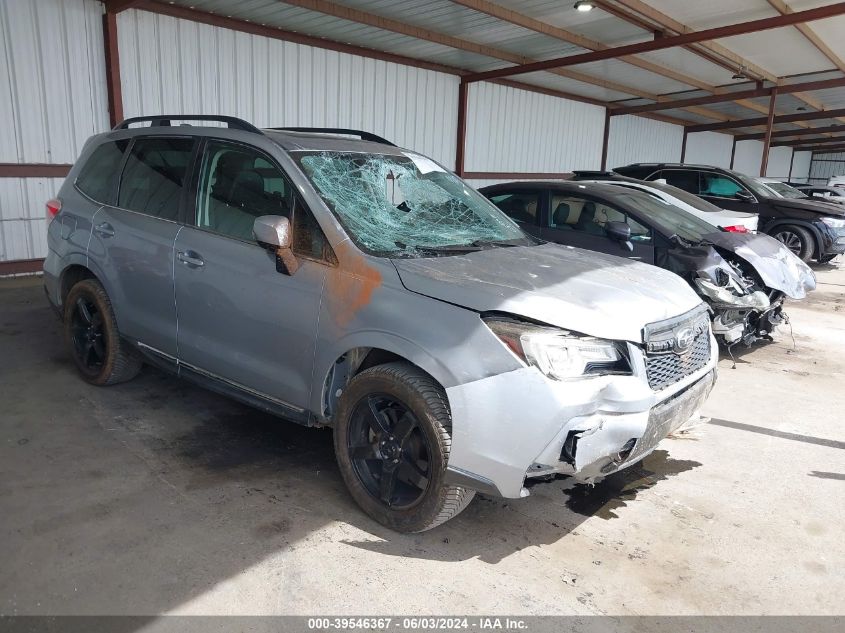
(586,292)
(802,204)
(777,266)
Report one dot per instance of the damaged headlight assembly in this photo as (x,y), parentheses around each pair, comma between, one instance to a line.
(834,223)
(559,354)
(726,295)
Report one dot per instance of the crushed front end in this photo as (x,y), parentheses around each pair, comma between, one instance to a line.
(527,425)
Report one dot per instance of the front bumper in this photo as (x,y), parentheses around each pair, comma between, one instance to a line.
(520,425)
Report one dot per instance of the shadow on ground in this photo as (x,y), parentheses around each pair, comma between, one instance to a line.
(137,498)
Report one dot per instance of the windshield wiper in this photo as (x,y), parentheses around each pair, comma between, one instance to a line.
(493,243)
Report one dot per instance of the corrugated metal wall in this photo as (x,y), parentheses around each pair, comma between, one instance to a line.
(172,65)
(709,148)
(778,165)
(52,98)
(748,157)
(636,139)
(511,130)
(801,166)
(827,165)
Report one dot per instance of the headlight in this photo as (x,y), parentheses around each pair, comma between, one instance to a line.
(834,223)
(558,354)
(722,294)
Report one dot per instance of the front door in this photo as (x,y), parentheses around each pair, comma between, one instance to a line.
(240,320)
(132,242)
(579,221)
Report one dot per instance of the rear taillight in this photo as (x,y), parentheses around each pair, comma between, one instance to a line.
(53,208)
(736,228)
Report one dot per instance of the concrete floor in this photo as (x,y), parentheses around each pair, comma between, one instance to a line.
(158,497)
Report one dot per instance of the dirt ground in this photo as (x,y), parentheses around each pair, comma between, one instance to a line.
(158,497)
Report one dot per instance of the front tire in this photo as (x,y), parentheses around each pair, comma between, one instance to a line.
(392,438)
(796,239)
(92,338)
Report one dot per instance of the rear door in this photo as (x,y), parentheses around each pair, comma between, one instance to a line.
(240,320)
(132,240)
(578,220)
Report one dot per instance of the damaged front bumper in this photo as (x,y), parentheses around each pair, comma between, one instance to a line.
(520,425)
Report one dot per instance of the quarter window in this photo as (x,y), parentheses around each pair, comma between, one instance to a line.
(519,206)
(154,174)
(98,177)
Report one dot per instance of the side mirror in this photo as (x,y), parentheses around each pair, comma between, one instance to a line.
(621,232)
(275,231)
(744,196)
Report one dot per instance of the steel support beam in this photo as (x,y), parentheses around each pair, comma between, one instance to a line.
(731,96)
(781,118)
(733,153)
(462,128)
(33,170)
(605,139)
(684,146)
(114,95)
(753,26)
(767,141)
(810,141)
(784,133)
(836,149)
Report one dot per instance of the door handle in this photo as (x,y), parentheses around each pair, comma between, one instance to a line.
(190,259)
(104,229)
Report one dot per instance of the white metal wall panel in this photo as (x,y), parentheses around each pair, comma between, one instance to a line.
(801,167)
(826,165)
(778,165)
(709,148)
(636,139)
(749,154)
(52,79)
(515,130)
(23,224)
(170,65)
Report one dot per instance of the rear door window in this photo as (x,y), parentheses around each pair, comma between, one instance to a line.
(682,179)
(98,177)
(719,186)
(154,175)
(521,206)
(589,216)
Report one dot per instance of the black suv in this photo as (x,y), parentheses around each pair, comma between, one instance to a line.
(811,230)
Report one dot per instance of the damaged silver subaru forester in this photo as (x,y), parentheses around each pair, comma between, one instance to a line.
(353,284)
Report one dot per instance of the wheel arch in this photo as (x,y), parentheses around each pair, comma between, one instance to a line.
(77,269)
(332,378)
(817,238)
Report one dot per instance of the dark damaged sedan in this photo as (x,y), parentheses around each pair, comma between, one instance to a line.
(743,277)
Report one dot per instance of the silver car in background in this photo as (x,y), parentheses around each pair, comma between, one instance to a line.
(346,282)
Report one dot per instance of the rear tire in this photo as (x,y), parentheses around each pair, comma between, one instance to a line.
(101,355)
(392,438)
(797,239)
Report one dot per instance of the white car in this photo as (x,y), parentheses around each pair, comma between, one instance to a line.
(836,181)
(734,221)
(825,194)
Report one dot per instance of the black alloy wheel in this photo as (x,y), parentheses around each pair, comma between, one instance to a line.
(388,451)
(88,335)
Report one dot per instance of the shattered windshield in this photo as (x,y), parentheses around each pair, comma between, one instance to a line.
(406,205)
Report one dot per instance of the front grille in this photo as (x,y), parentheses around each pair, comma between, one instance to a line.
(666,369)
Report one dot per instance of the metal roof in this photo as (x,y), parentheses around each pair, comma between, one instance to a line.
(473,36)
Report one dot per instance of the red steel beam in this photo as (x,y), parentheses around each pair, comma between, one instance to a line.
(732,96)
(116,6)
(783,133)
(605,139)
(781,118)
(115,97)
(462,128)
(767,141)
(33,170)
(20,266)
(753,26)
(820,150)
(825,140)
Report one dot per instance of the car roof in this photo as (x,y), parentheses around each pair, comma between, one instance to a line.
(600,189)
(293,141)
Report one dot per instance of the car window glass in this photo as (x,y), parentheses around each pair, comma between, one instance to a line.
(571,213)
(98,177)
(519,206)
(152,179)
(681,178)
(237,185)
(719,186)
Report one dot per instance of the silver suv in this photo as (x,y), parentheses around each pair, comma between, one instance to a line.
(347,282)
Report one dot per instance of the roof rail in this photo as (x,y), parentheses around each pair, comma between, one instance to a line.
(364,136)
(164,120)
